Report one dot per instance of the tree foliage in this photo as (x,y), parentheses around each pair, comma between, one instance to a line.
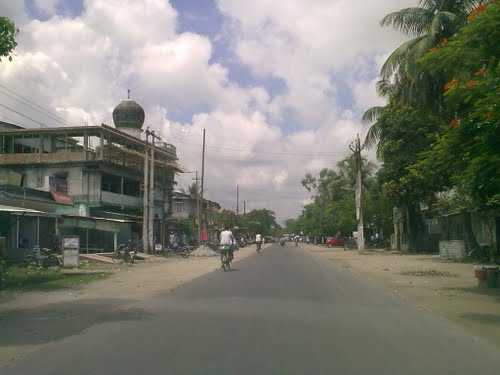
(332,210)
(405,133)
(261,221)
(8,33)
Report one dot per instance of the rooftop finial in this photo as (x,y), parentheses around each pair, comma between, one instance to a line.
(128,93)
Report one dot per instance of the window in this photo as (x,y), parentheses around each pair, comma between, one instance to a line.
(59,183)
(179,206)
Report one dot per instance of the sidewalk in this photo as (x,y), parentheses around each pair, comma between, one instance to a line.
(443,287)
(31,320)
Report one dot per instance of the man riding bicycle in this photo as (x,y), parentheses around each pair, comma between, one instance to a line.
(227,242)
(258,241)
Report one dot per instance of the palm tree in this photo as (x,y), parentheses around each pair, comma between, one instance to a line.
(429,24)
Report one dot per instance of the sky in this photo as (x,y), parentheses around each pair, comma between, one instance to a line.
(279,86)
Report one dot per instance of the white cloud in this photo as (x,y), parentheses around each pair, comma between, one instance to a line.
(310,44)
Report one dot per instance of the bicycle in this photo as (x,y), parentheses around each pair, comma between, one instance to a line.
(226,258)
(259,247)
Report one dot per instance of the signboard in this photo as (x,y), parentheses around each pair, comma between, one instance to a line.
(71,251)
(355,235)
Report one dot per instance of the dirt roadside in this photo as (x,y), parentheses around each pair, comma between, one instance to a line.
(443,287)
(30,320)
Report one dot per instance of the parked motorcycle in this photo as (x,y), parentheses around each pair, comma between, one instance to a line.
(127,252)
(242,242)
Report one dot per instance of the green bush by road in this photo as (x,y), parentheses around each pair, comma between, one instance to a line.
(28,278)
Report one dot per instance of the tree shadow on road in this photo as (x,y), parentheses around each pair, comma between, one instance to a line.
(59,320)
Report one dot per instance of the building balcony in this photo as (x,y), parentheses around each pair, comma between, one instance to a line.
(45,158)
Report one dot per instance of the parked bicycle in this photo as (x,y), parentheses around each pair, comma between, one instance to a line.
(41,257)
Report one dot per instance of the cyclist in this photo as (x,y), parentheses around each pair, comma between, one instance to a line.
(227,242)
(258,241)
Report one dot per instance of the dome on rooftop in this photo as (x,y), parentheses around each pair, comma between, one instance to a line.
(128,114)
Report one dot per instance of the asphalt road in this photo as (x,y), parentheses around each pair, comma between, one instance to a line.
(282,312)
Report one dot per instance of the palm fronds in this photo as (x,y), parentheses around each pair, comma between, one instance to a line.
(411,21)
(371,115)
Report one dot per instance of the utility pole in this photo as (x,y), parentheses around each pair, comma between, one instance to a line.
(202,181)
(244,207)
(356,149)
(152,193)
(145,208)
(237,200)
(198,210)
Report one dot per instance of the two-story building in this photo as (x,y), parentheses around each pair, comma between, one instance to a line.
(185,212)
(87,181)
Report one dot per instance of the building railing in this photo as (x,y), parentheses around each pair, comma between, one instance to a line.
(117,199)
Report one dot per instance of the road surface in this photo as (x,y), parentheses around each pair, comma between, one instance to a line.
(282,312)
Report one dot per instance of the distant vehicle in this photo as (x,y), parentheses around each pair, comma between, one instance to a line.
(335,242)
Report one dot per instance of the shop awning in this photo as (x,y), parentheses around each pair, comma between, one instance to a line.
(97,223)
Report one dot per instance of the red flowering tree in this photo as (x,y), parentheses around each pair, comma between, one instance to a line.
(469,151)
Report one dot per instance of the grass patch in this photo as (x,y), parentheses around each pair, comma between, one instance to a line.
(27,278)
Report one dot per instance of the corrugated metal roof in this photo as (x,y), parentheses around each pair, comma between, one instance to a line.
(13,209)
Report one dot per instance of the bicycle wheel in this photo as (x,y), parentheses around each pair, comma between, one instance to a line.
(224,261)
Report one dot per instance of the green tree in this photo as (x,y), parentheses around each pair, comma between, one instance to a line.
(8,33)
(332,210)
(261,221)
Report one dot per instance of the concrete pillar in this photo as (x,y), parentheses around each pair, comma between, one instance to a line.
(152,199)
(38,231)
(145,216)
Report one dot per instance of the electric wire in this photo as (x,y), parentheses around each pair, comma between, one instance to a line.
(22,115)
(30,103)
